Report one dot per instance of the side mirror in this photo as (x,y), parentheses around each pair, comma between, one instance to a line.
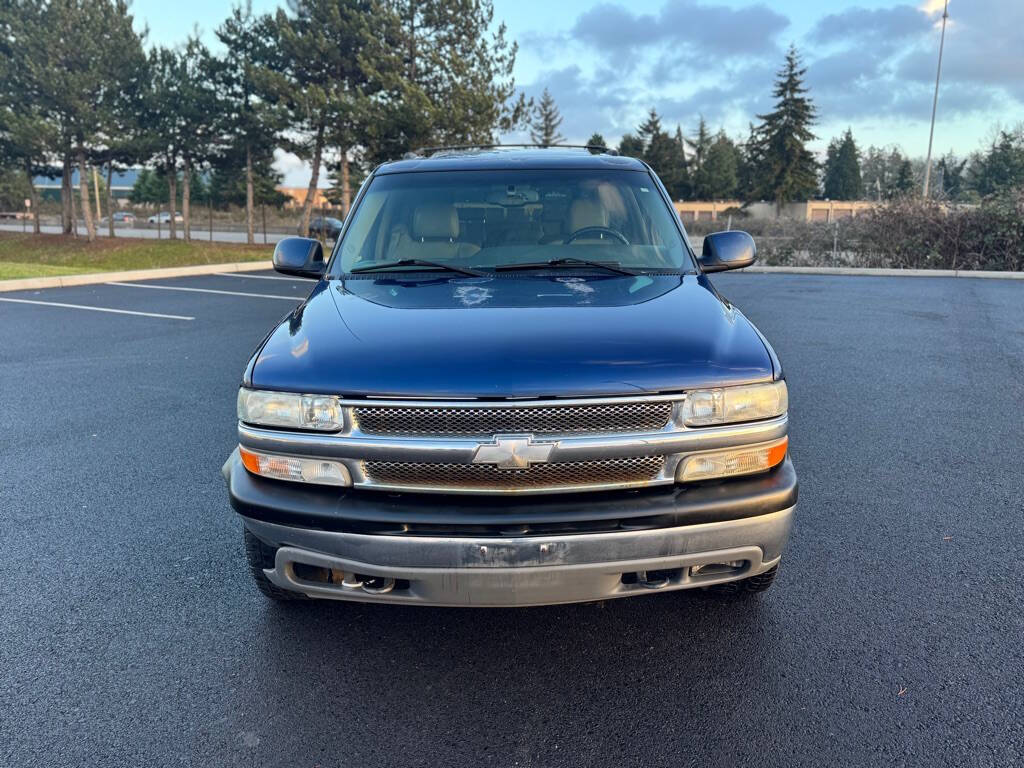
(727,250)
(300,257)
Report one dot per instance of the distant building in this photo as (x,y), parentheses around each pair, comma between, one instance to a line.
(297,197)
(121,183)
(700,210)
(812,210)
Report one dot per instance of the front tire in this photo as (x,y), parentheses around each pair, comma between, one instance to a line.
(261,555)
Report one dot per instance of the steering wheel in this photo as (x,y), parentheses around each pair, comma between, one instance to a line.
(597,230)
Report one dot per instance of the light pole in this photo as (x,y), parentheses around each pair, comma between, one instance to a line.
(935,101)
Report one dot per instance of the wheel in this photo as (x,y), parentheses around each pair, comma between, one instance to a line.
(762,582)
(260,556)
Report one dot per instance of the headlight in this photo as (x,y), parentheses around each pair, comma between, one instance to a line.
(299,470)
(729,405)
(284,409)
(735,461)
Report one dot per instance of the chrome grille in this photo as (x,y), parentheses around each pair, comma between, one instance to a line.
(600,418)
(631,470)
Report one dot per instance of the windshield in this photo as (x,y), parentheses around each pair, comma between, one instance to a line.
(490,219)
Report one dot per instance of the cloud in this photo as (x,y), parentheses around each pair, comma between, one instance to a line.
(702,29)
(874,25)
(881,62)
(872,67)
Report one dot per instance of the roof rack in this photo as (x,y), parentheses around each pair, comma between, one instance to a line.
(428,151)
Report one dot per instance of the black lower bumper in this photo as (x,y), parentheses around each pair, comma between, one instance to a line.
(363,511)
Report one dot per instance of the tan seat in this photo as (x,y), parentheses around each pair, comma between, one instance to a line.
(585,213)
(433,236)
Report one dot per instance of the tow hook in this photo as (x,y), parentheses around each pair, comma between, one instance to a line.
(651,583)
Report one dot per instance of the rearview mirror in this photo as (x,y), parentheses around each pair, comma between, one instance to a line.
(727,250)
(300,257)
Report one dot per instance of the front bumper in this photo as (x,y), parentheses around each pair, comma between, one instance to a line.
(663,540)
(523,571)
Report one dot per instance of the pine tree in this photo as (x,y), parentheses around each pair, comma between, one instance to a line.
(323,78)
(720,170)
(842,177)
(251,118)
(649,128)
(663,154)
(701,144)
(545,121)
(789,171)
(952,179)
(596,140)
(904,183)
(1002,166)
(631,146)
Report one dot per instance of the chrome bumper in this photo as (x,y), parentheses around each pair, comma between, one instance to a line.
(463,571)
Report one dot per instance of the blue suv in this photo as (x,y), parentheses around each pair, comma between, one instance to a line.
(512,384)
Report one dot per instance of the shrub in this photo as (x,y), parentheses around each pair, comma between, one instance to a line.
(904,234)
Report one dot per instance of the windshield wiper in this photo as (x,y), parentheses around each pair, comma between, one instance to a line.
(611,266)
(417,263)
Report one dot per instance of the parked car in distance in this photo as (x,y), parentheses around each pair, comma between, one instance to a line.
(164,217)
(127,218)
(323,227)
(513,383)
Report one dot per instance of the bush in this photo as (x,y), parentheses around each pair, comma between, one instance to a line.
(905,234)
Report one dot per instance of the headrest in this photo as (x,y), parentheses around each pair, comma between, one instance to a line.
(586,213)
(435,221)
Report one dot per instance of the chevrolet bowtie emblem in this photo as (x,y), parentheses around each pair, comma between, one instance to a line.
(512,452)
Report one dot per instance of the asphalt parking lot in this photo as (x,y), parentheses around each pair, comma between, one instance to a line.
(132,636)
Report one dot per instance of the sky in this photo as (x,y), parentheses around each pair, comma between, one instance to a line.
(870,64)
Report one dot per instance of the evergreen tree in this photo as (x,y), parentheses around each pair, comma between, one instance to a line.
(251,118)
(444,75)
(788,171)
(720,170)
(631,146)
(649,128)
(76,62)
(322,77)
(544,122)
(842,178)
(750,167)
(700,145)
(904,183)
(663,154)
(1002,166)
(596,140)
(952,180)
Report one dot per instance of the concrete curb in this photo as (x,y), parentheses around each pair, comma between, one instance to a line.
(94,278)
(881,272)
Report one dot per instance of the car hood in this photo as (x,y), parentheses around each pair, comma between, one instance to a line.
(511,336)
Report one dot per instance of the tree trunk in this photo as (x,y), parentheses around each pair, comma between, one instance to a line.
(67,214)
(346,187)
(33,196)
(186,194)
(96,191)
(110,199)
(83,187)
(249,204)
(412,42)
(307,206)
(172,189)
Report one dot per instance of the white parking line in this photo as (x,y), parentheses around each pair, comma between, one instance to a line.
(209,290)
(98,309)
(257,277)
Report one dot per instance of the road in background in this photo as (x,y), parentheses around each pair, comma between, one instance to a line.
(150,232)
(132,635)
